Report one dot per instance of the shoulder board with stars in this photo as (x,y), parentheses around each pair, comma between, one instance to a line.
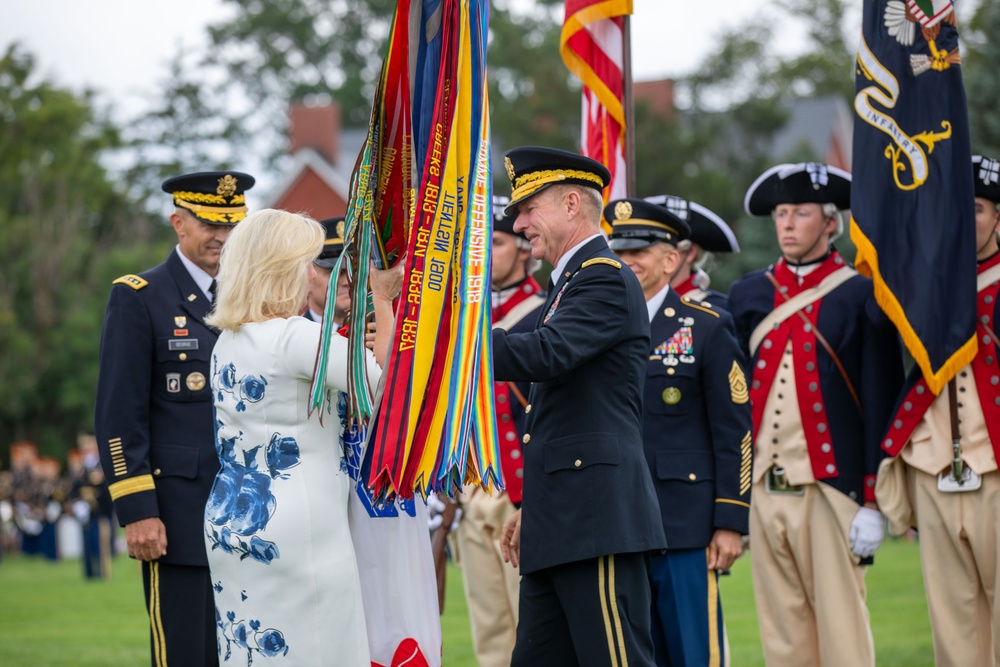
(601,260)
(706,308)
(132,280)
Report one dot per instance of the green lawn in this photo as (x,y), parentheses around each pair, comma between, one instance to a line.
(49,615)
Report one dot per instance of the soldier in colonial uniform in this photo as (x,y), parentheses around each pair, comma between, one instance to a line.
(590,515)
(825,365)
(696,433)
(709,234)
(153,417)
(319,285)
(491,586)
(950,491)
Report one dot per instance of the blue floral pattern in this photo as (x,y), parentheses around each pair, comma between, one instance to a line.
(352,439)
(241,502)
(246,635)
(248,389)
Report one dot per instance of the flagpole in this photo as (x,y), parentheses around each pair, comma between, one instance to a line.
(629,106)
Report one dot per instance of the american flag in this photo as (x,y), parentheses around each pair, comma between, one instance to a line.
(592,45)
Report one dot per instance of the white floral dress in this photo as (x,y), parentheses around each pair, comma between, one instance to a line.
(287,589)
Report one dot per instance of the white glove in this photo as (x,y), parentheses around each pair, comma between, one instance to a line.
(867,530)
(435,508)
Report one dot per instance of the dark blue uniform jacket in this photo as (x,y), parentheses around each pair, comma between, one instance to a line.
(587,489)
(697,423)
(154,419)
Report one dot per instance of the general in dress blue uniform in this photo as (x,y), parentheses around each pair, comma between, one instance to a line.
(153,417)
(696,433)
(825,367)
(590,516)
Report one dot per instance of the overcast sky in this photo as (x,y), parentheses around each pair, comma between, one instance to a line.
(122,48)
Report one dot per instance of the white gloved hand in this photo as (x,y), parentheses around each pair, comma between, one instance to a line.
(434,509)
(867,530)
(435,513)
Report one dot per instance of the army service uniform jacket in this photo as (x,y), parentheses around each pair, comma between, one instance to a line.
(587,489)
(154,419)
(843,437)
(696,426)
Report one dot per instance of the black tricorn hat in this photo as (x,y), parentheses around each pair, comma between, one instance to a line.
(532,169)
(986,175)
(636,223)
(501,221)
(215,197)
(708,230)
(333,246)
(802,183)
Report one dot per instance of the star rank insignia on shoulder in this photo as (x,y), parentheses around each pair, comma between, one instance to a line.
(704,307)
(132,280)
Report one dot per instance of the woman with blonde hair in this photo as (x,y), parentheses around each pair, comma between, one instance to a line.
(276,524)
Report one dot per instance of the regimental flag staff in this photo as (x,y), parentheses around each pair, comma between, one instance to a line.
(592,45)
(912,193)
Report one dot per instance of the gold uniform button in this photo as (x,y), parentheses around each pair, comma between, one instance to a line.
(669,312)
(578,463)
(156,473)
(526,439)
(527,408)
(692,477)
(182,356)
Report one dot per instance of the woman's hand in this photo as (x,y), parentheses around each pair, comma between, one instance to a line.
(386,284)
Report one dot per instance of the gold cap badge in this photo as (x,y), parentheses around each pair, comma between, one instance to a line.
(227,186)
(623,210)
(509,166)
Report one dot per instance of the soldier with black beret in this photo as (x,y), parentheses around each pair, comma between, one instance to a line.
(319,286)
(590,516)
(696,434)
(825,366)
(952,496)
(153,417)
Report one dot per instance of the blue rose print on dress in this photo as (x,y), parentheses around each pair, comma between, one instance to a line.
(247,635)
(352,439)
(248,389)
(241,502)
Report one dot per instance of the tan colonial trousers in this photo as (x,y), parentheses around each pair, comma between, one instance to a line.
(809,588)
(959,541)
(493,598)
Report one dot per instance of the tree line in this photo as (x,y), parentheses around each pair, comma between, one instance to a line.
(79,192)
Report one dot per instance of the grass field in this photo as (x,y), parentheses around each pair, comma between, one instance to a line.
(51,616)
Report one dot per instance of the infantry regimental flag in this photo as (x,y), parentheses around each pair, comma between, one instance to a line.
(593,47)
(912,193)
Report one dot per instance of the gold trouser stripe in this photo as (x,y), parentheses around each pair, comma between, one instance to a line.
(609,600)
(714,659)
(131,485)
(155,620)
(604,607)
